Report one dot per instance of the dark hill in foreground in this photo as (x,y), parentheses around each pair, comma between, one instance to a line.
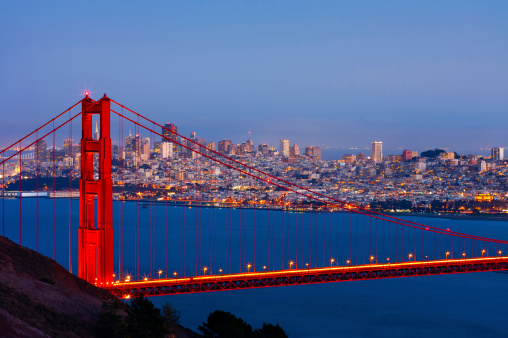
(40,298)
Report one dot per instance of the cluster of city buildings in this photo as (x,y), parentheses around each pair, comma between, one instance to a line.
(175,169)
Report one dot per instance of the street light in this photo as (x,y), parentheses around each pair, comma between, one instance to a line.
(220,270)
(348,262)
(447,254)
(331,261)
(464,254)
(483,252)
(371,259)
(204,270)
(175,274)
(307,265)
(160,272)
(264,267)
(410,256)
(388,259)
(248,267)
(291,264)
(499,252)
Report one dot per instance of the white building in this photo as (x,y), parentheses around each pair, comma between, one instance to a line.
(167,150)
(284,148)
(377,151)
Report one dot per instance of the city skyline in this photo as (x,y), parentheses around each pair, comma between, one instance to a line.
(329,153)
(436,78)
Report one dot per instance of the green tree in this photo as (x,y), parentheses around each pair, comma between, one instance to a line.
(222,324)
(171,316)
(111,324)
(144,319)
(271,331)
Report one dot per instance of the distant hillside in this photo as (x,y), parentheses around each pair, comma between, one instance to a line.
(40,298)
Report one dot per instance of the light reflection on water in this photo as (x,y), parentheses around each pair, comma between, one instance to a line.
(465,305)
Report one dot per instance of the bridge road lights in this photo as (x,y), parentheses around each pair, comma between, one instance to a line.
(204,270)
(483,252)
(307,265)
(447,254)
(388,260)
(291,264)
(175,274)
(264,267)
(371,259)
(248,267)
(410,256)
(159,272)
(331,261)
(348,262)
(499,252)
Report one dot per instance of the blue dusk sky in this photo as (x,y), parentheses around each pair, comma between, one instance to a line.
(413,74)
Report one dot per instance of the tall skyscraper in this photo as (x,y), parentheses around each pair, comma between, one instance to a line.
(144,149)
(169,131)
(317,153)
(211,145)
(313,152)
(407,155)
(224,146)
(294,151)
(377,151)
(68,144)
(264,149)
(284,148)
(309,151)
(96,135)
(497,153)
(42,150)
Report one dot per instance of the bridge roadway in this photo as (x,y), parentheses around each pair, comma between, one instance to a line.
(247,280)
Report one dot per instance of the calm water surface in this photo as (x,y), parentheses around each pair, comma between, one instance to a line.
(464,305)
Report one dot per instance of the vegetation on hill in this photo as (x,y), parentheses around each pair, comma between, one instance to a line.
(40,298)
(433,153)
(223,324)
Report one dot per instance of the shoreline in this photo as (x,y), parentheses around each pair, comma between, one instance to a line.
(468,217)
(454,216)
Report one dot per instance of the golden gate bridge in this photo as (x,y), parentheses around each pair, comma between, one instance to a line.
(214,250)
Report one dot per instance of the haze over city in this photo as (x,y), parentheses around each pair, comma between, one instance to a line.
(413,75)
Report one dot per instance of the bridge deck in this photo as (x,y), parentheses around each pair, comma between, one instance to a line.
(247,280)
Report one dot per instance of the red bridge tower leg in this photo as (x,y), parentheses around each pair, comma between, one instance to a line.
(96,248)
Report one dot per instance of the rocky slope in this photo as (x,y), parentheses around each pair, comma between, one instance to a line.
(40,298)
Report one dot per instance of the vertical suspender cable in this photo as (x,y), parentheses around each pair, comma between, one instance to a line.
(20,193)
(54,188)
(3,198)
(37,189)
(70,192)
